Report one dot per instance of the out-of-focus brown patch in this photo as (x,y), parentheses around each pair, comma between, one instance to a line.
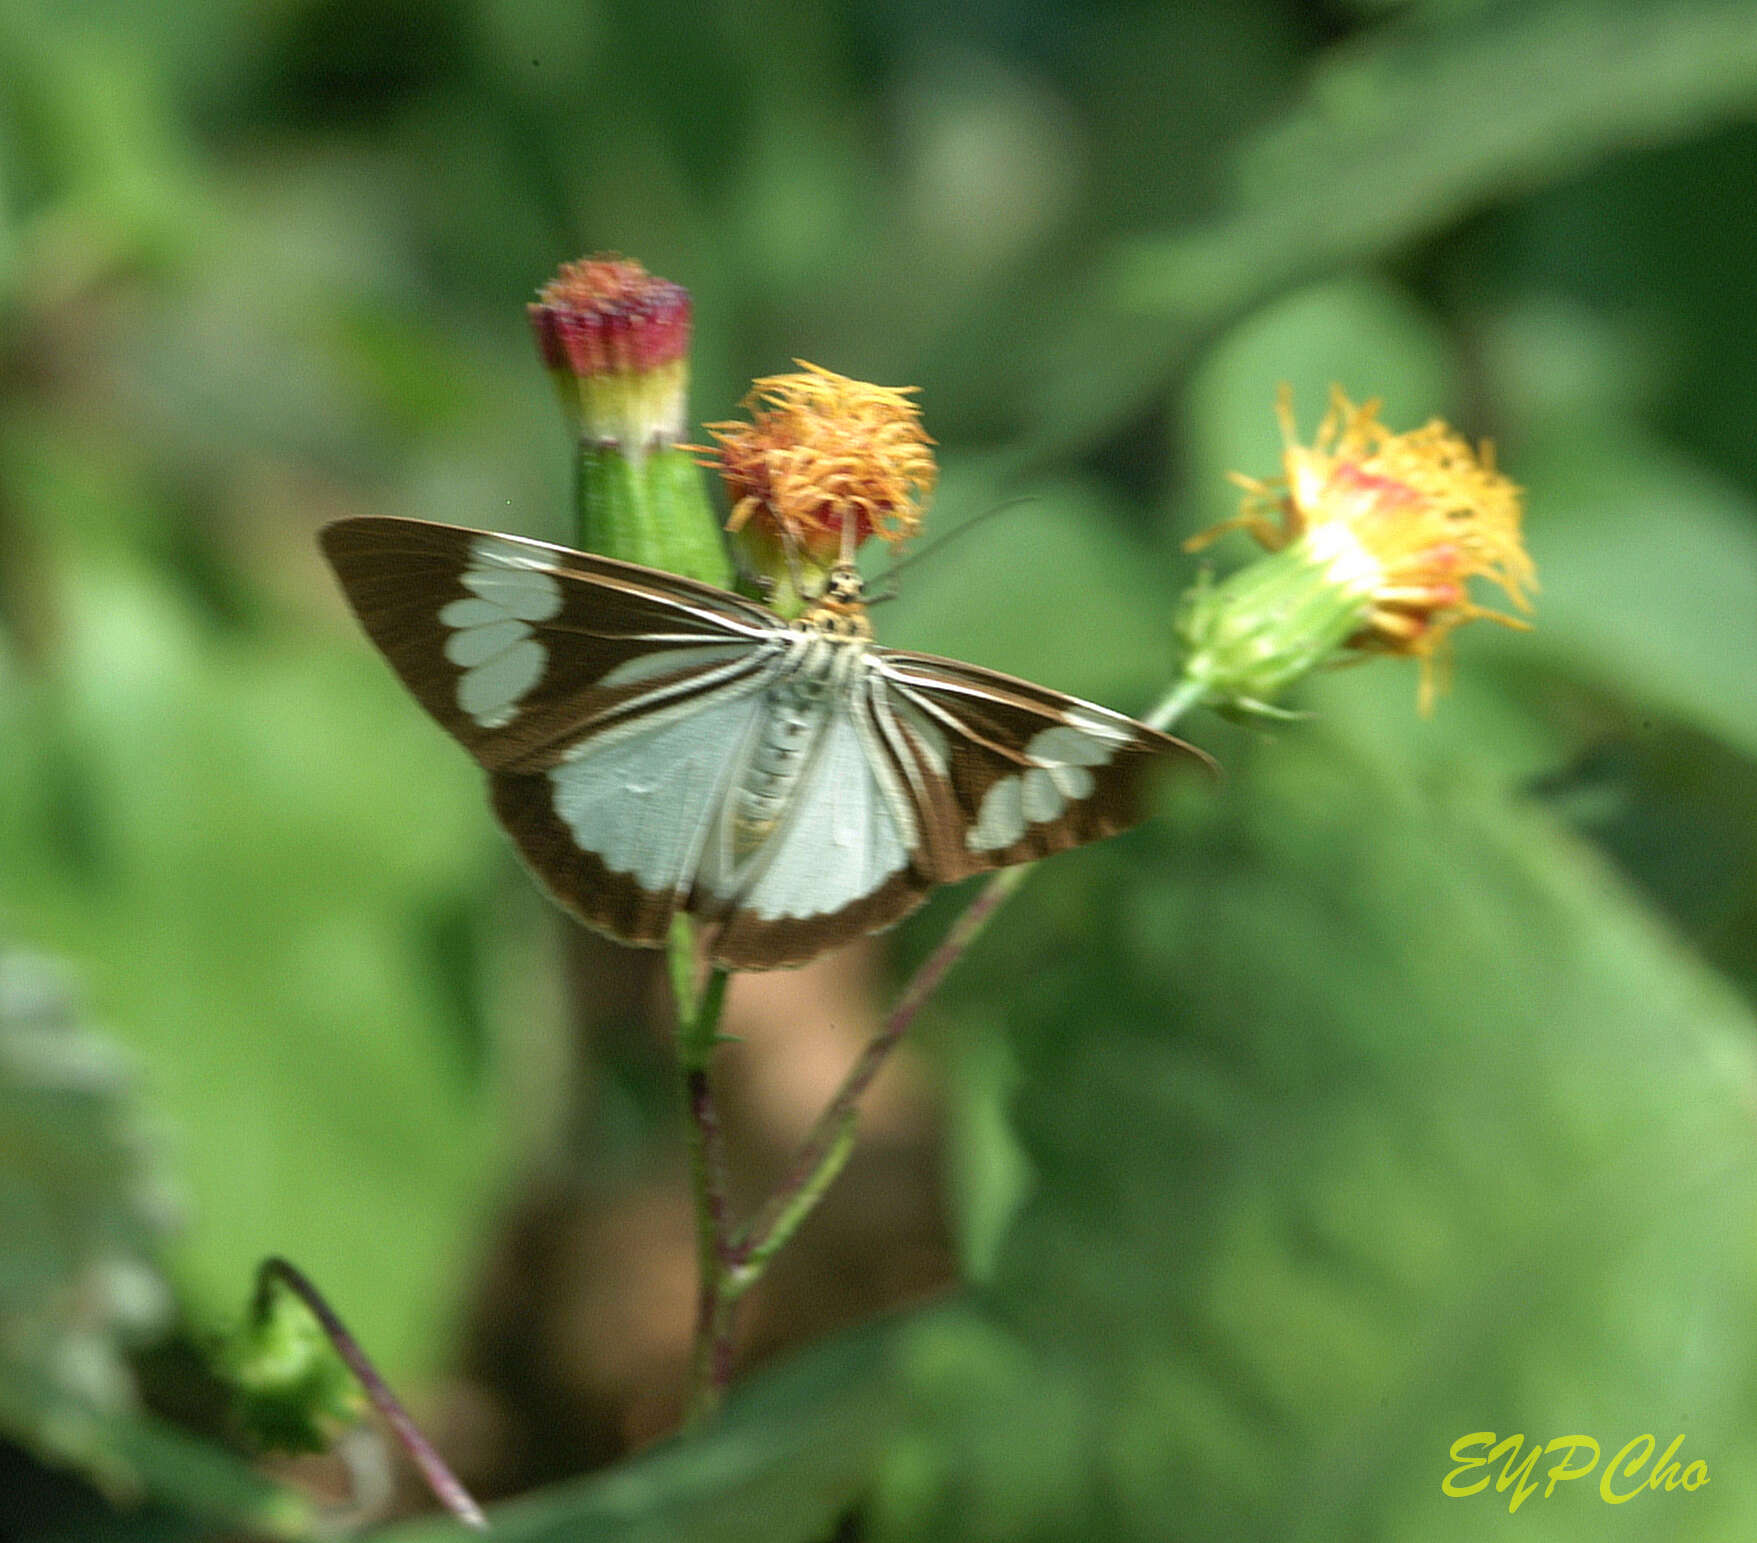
(579,1339)
(578,1343)
(798,1032)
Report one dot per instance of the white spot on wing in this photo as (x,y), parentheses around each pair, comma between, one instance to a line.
(1061,753)
(491,551)
(1001,820)
(671,661)
(491,638)
(1074,782)
(522,592)
(471,612)
(1112,729)
(476,645)
(1040,799)
(490,692)
(1064,745)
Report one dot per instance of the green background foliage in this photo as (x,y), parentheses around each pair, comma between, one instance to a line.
(1400,1087)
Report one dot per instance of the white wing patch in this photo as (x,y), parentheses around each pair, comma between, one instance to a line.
(671,661)
(645,802)
(838,841)
(491,640)
(1060,756)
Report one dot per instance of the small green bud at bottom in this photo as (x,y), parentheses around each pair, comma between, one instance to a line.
(291,1392)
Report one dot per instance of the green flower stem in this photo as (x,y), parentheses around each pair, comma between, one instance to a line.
(1174,704)
(711,1359)
(824,1151)
(650,508)
(440,1479)
(698,1032)
(768,1233)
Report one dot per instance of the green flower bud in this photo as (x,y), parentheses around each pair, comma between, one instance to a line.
(291,1392)
(616,342)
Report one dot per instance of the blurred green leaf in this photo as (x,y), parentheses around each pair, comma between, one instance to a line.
(1059,564)
(285,929)
(84,1214)
(1419,124)
(1366,1111)
(1406,129)
(1649,565)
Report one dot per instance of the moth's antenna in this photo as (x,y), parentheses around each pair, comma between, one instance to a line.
(940,543)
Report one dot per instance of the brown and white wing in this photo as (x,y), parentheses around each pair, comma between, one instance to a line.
(619,712)
(1001,771)
(519,648)
(611,704)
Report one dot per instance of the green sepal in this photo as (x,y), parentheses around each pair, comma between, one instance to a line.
(1253,635)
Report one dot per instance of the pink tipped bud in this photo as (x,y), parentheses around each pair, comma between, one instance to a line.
(616,341)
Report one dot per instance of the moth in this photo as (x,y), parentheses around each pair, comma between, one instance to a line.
(656,745)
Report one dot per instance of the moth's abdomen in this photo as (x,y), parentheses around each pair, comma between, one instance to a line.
(775,765)
(797,708)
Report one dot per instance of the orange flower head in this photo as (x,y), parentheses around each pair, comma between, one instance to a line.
(825,463)
(1404,521)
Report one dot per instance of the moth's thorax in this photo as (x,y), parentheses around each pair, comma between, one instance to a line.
(836,620)
(840,610)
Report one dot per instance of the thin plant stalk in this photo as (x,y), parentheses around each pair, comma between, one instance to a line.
(445,1484)
(734,1261)
(698,1032)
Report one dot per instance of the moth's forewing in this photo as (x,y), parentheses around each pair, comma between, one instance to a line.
(1024,771)
(519,648)
(536,657)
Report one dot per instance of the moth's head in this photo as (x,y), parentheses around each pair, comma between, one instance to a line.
(840,608)
(843,586)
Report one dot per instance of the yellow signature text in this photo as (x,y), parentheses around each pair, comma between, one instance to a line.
(1620,1481)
